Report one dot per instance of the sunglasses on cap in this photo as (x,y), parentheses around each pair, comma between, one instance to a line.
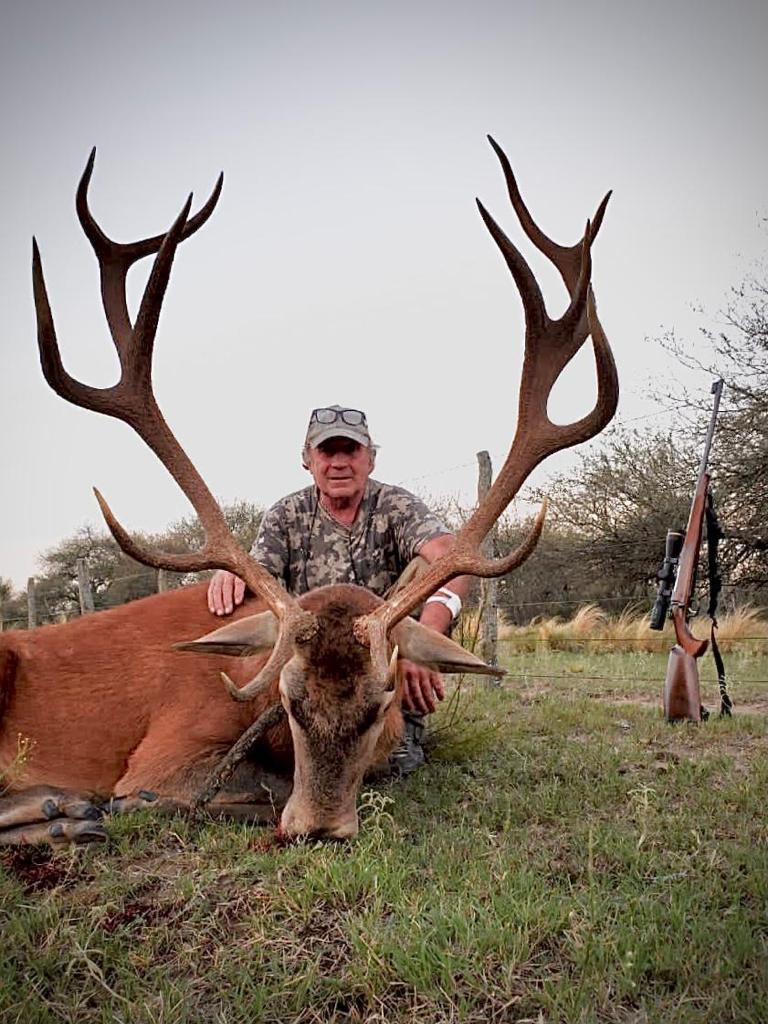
(352,417)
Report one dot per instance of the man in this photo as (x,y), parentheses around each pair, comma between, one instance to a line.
(349,528)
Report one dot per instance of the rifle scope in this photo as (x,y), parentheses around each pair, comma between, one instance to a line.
(666,578)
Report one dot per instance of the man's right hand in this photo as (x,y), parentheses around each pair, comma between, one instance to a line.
(225,592)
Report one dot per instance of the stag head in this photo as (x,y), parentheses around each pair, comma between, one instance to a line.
(331,656)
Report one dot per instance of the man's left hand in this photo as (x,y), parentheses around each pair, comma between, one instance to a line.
(422,687)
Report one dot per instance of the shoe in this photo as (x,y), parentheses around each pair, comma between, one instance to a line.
(409,755)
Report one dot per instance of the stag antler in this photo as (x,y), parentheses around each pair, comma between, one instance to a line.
(549,347)
(132,400)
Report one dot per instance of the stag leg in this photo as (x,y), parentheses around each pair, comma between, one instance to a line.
(45,814)
(253,794)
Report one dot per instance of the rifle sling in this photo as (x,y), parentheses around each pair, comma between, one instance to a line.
(714,533)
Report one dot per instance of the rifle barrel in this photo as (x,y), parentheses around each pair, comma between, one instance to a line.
(717,390)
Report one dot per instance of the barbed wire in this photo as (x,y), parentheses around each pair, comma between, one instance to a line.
(662,641)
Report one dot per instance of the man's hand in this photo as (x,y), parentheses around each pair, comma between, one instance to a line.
(422,687)
(225,592)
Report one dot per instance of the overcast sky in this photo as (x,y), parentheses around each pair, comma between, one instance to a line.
(346,261)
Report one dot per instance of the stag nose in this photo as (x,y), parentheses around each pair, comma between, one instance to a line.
(296,825)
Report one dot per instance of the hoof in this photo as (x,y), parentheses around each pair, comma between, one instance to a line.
(126,804)
(64,806)
(66,830)
(51,809)
(82,810)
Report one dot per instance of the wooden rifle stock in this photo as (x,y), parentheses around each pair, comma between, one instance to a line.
(682,695)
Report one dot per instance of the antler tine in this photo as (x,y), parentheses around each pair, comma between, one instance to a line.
(527,285)
(607,379)
(577,310)
(50,357)
(566,258)
(549,347)
(299,627)
(116,258)
(127,399)
(132,400)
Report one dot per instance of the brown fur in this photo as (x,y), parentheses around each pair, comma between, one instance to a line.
(106,705)
(8,661)
(337,659)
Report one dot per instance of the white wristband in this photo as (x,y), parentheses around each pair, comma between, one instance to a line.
(451,601)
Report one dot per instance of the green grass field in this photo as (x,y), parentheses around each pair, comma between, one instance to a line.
(565,857)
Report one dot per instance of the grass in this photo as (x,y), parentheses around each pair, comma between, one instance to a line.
(564,857)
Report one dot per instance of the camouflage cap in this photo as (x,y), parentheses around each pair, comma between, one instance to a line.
(337,421)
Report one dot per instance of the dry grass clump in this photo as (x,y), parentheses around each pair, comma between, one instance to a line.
(744,623)
(15,769)
(591,628)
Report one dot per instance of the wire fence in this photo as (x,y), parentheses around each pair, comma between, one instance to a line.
(567,639)
(625,601)
(577,676)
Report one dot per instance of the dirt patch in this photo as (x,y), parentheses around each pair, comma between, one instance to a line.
(39,869)
(142,912)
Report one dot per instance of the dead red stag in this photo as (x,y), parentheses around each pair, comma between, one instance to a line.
(105,706)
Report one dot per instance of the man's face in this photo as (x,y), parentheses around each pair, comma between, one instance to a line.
(340,467)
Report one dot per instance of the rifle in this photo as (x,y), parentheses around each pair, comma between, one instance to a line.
(682,697)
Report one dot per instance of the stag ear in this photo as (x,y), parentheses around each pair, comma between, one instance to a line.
(239,639)
(417,643)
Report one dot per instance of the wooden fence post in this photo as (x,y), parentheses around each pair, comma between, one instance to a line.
(31,603)
(162,581)
(489,613)
(84,588)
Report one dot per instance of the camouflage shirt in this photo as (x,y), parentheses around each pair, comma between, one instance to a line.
(304,547)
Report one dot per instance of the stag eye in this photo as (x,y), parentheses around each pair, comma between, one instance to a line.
(374,712)
(369,719)
(298,711)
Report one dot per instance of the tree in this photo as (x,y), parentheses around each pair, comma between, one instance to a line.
(115,578)
(550,582)
(617,506)
(9,604)
(243,519)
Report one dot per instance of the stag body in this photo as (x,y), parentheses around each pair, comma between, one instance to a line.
(332,661)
